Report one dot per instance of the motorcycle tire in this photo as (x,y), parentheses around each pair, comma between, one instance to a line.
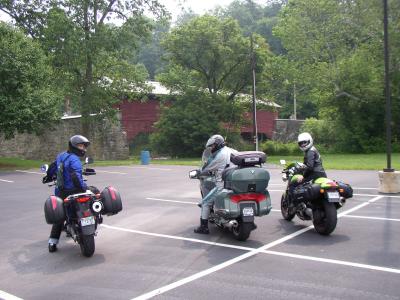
(285,209)
(87,245)
(242,231)
(325,218)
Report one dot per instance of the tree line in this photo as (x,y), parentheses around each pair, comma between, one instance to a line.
(86,56)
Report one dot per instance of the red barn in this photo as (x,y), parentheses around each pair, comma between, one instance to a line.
(139,117)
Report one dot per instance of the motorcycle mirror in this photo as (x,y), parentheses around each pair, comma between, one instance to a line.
(44,168)
(89,160)
(283,162)
(193,174)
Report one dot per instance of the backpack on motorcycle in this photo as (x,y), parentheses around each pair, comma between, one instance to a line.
(54,211)
(347,189)
(111,200)
(60,174)
(248,158)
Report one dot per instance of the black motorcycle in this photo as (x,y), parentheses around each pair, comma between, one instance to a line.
(81,213)
(317,200)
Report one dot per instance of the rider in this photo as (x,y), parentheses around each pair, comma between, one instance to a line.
(72,180)
(312,158)
(217,162)
(312,163)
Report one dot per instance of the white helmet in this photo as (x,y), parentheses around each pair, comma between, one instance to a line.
(305,141)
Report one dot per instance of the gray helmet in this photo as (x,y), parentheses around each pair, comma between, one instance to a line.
(73,143)
(216,140)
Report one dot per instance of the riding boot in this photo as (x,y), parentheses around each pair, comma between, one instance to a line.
(203,228)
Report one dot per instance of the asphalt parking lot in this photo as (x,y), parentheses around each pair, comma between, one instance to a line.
(149,249)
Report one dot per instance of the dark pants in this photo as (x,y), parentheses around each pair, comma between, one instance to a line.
(56,229)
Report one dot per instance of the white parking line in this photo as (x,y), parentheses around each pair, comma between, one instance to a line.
(110,172)
(174,201)
(239,258)
(174,237)
(9,181)
(148,168)
(29,172)
(334,261)
(372,218)
(7,296)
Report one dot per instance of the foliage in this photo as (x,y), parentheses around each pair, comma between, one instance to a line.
(187,123)
(336,47)
(90,55)
(279,148)
(212,54)
(29,102)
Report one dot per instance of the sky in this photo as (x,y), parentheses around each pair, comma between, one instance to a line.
(175,6)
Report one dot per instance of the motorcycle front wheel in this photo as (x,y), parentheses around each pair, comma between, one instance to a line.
(242,231)
(285,208)
(325,218)
(87,245)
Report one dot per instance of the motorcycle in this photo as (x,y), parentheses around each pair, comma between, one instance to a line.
(317,200)
(81,213)
(244,195)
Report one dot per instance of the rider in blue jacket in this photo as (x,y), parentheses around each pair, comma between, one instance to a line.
(69,164)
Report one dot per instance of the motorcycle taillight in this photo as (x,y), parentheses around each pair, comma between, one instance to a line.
(248,196)
(83,199)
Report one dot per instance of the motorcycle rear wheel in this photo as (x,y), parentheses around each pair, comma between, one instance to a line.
(285,209)
(242,231)
(325,218)
(87,245)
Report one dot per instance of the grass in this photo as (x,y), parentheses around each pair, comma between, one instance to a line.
(330,161)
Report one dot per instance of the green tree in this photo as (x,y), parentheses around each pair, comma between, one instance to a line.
(89,53)
(212,54)
(336,47)
(29,102)
(187,123)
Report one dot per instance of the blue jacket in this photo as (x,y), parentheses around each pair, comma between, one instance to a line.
(73,180)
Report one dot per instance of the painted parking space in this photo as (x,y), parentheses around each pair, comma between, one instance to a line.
(150,245)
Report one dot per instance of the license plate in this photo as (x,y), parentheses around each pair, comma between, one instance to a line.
(248,211)
(87,221)
(333,196)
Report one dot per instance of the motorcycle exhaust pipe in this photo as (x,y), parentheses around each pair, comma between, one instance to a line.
(97,206)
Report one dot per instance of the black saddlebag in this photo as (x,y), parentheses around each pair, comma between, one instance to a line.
(54,211)
(248,158)
(111,200)
(306,192)
(347,189)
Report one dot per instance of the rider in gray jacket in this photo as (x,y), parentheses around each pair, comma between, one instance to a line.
(216,163)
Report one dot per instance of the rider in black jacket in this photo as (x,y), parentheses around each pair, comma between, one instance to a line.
(312,158)
(312,164)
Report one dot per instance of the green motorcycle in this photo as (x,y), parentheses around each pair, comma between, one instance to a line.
(317,200)
(244,196)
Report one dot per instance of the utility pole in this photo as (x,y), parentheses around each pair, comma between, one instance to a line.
(294,101)
(387,89)
(253,69)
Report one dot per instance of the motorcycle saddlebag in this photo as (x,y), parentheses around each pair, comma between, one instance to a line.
(111,200)
(54,210)
(306,192)
(347,189)
(247,180)
(248,158)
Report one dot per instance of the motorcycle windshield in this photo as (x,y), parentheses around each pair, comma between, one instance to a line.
(205,157)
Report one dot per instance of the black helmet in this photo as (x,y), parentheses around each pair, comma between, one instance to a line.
(74,141)
(216,140)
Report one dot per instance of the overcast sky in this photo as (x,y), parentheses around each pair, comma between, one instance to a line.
(175,6)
